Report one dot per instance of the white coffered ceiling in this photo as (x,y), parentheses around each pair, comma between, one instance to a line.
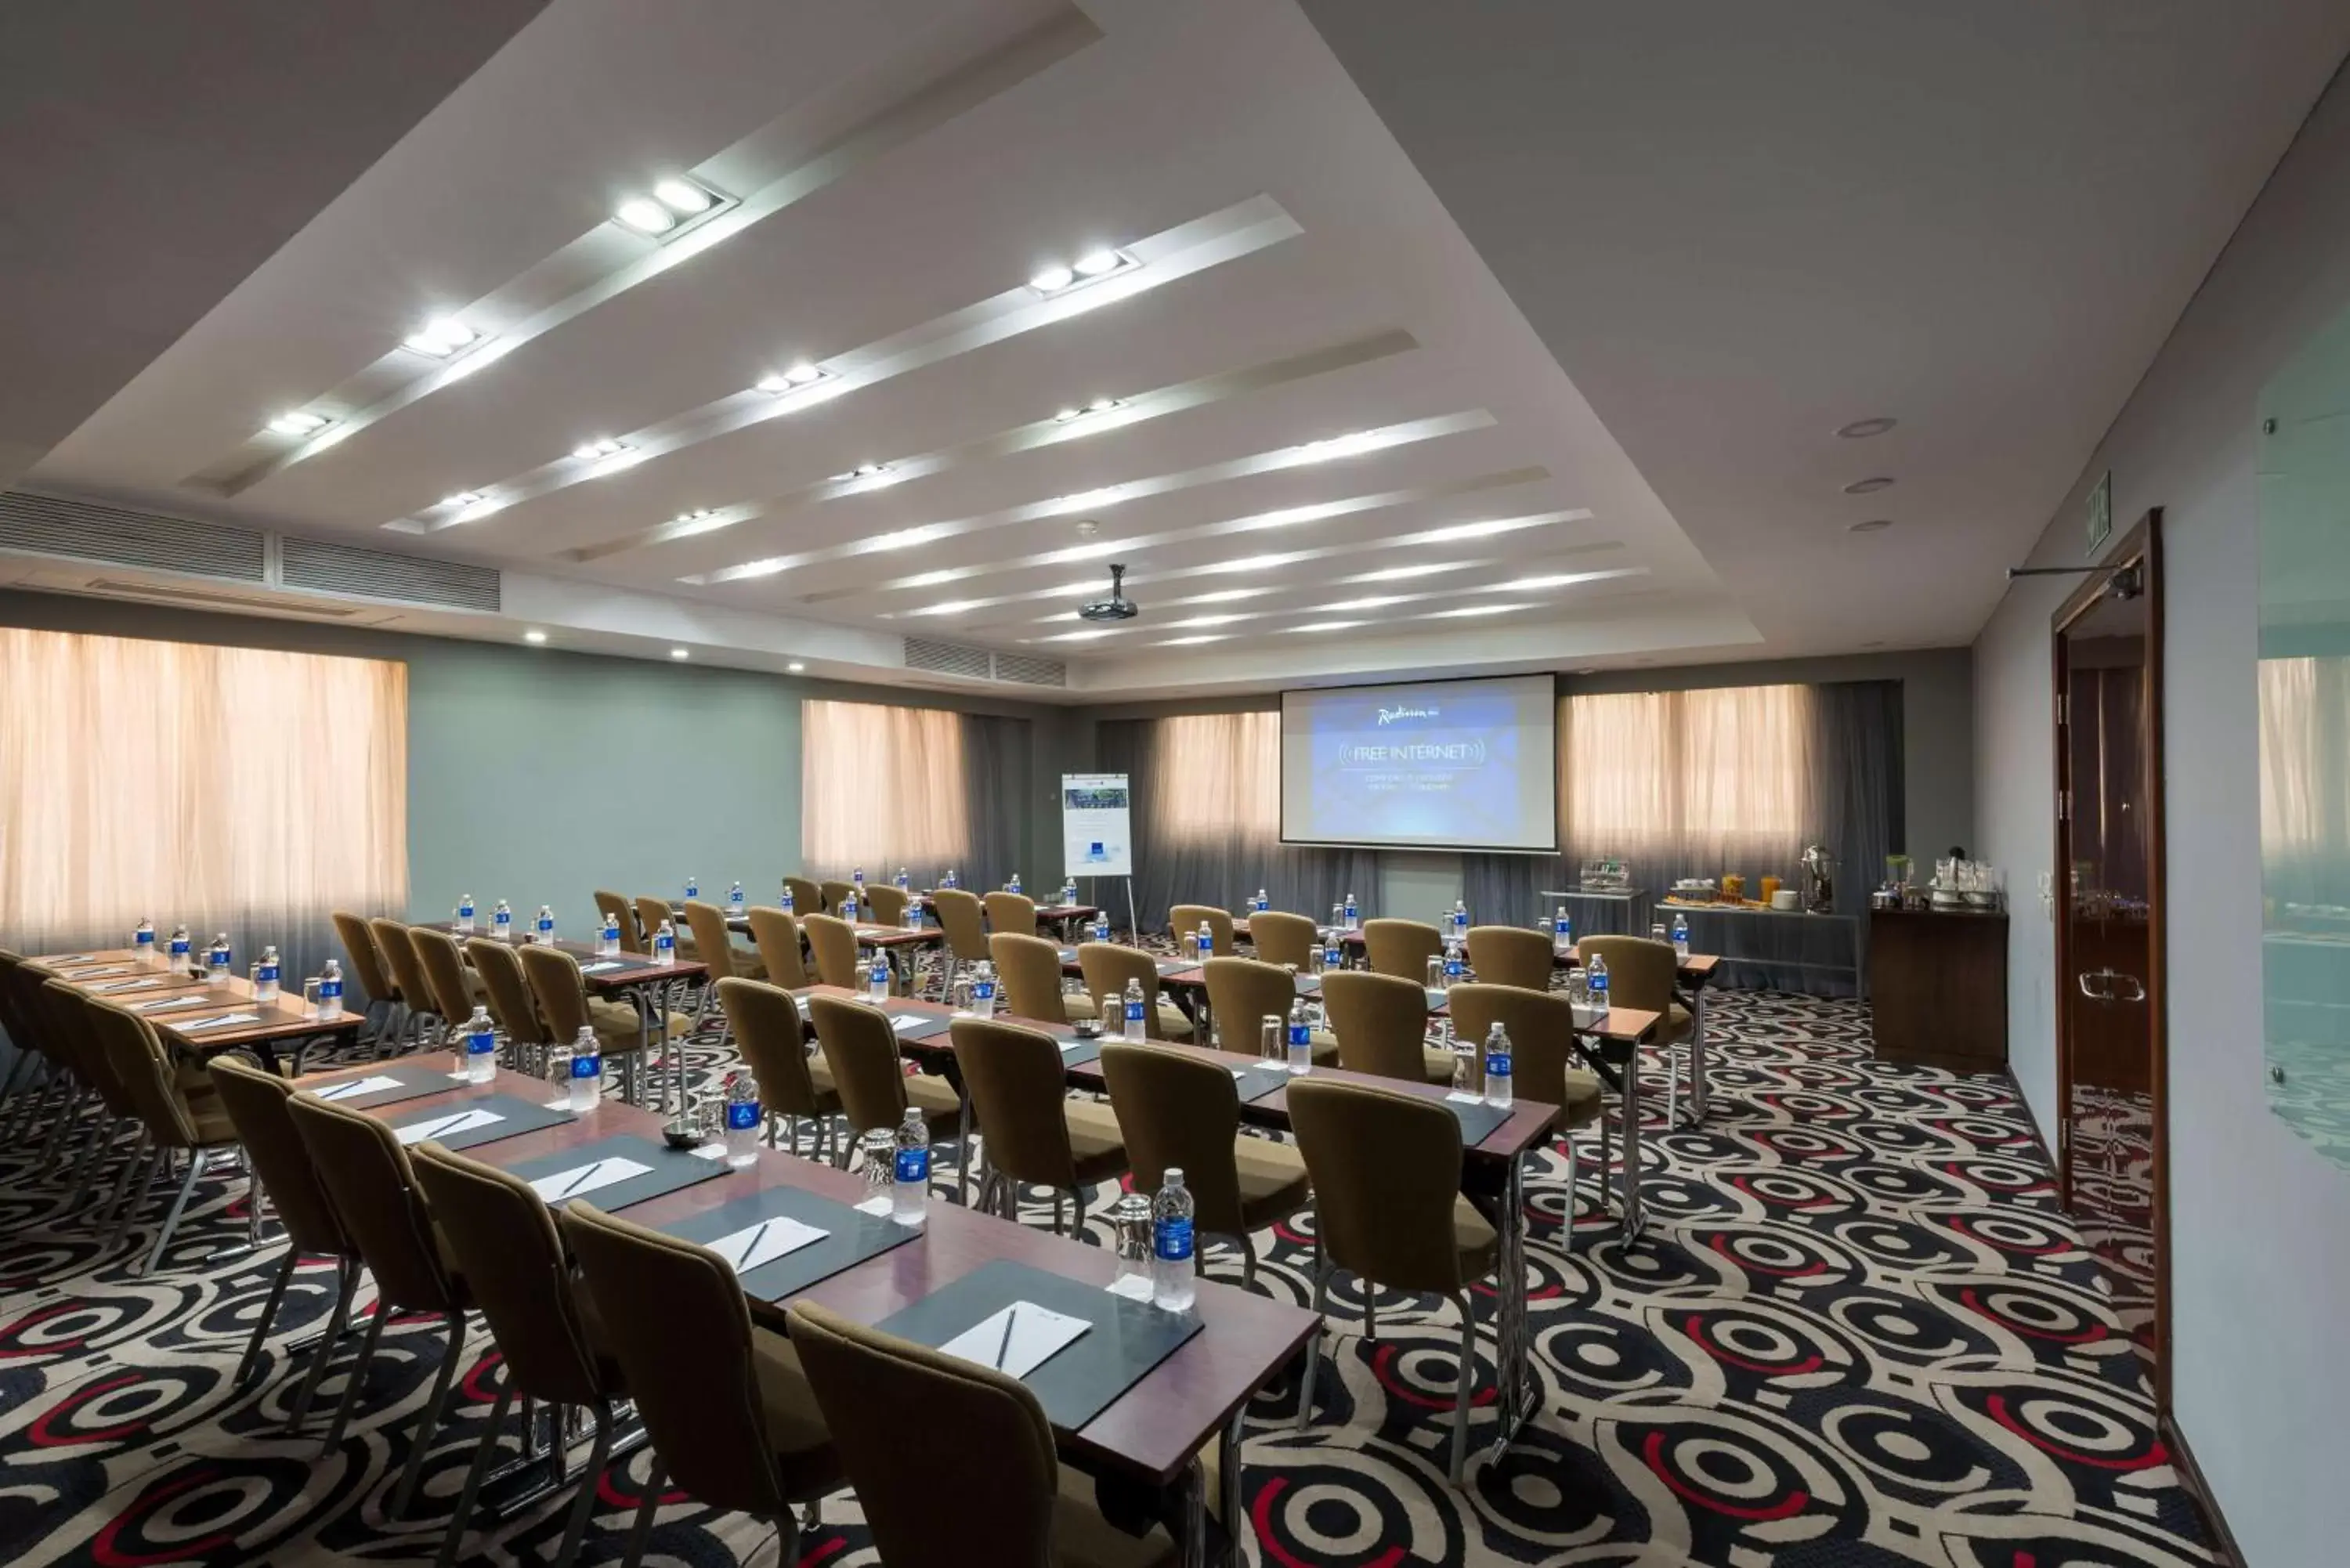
(1308,419)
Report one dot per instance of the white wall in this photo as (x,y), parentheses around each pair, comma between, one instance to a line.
(2260,1223)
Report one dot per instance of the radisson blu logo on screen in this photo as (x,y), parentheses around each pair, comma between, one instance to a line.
(1397,715)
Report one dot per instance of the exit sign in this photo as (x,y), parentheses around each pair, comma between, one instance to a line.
(2101,511)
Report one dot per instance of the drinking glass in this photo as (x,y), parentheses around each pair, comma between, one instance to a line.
(1272,1042)
(310,995)
(876,1158)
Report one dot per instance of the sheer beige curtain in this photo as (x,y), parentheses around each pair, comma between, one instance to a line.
(231,788)
(1728,779)
(882,785)
(1217,777)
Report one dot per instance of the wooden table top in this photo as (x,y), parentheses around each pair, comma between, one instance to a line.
(284,1019)
(1529,1122)
(636,969)
(927,900)
(1152,1430)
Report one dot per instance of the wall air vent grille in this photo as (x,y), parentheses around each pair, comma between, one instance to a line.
(330,568)
(86,531)
(948,658)
(1030,670)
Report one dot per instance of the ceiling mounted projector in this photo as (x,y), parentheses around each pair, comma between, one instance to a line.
(1117,607)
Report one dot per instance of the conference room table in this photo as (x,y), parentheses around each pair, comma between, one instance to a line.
(1493,1168)
(624,976)
(201,1017)
(1152,1434)
(898,944)
(1057,916)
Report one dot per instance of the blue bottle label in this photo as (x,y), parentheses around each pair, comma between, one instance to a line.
(331,989)
(984,991)
(268,973)
(464,912)
(477,1044)
(1171,1239)
(1497,1065)
(146,939)
(587,1064)
(742,1115)
(913,1165)
(1134,1013)
(1299,1035)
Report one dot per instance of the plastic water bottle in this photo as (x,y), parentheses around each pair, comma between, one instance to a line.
(693,886)
(544,927)
(1460,919)
(983,990)
(1333,956)
(665,944)
(878,979)
(743,1120)
(857,878)
(913,914)
(951,879)
(1013,885)
(142,943)
(1068,892)
(1680,936)
(1262,903)
(1174,1276)
(501,922)
(1497,1066)
(1101,927)
(265,976)
(1204,944)
(1301,1038)
(786,902)
(611,938)
(1354,911)
(330,991)
(1562,931)
(1595,974)
(910,1188)
(1137,1028)
(464,914)
(735,900)
(586,1070)
(904,882)
(217,959)
(1456,969)
(178,957)
(848,907)
(481,1048)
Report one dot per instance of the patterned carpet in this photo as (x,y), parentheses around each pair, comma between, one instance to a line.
(1857,1334)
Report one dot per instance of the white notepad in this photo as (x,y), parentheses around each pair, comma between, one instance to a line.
(585,1179)
(1017,1340)
(112,986)
(1464,1097)
(600,968)
(367,1085)
(754,1245)
(94,973)
(222,1022)
(167,1003)
(1589,1017)
(448,1126)
(902,1021)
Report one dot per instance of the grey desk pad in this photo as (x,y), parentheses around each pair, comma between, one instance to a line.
(851,1237)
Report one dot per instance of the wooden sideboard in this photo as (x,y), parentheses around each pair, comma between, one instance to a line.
(1938,988)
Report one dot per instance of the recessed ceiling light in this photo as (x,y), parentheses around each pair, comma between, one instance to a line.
(1051,279)
(932,579)
(1373,602)
(463,498)
(795,667)
(534,635)
(1249,563)
(1085,552)
(902,539)
(1328,624)
(862,471)
(1192,642)
(1860,429)
(699,515)
(1098,406)
(1084,501)
(1057,277)
(1076,636)
(440,338)
(793,379)
(1468,531)
(680,653)
(1556,580)
(601,447)
(682,197)
(1867,486)
(1093,264)
(1874,526)
(645,216)
(299,422)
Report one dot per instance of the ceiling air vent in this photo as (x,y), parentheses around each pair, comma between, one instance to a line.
(329,568)
(180,597)
(1031,670)
(947,658)
(85,531)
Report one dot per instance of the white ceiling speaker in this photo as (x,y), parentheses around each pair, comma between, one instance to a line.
(1117,607)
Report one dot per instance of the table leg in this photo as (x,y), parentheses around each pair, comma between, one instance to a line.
(1697,1055)
(1230,1496)
(1515,1382)
(660,1013)
(645,1032)
(1194,1545)
(1633,1218)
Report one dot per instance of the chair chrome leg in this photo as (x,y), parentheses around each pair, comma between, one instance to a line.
(1371,1311)
(474,1473)
(429,1422)
(1248,1263)
(357,1376)
(347,1284)
(269,1316)
(1467,1382)
(787,1539)
(585,1504)
(1567,1241)
(1313,1342)
(197,1160)
(1060,1208)
(641,1529)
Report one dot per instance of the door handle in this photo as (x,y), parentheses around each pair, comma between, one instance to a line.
(2095,993)
(2104,989)
(2137,992)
